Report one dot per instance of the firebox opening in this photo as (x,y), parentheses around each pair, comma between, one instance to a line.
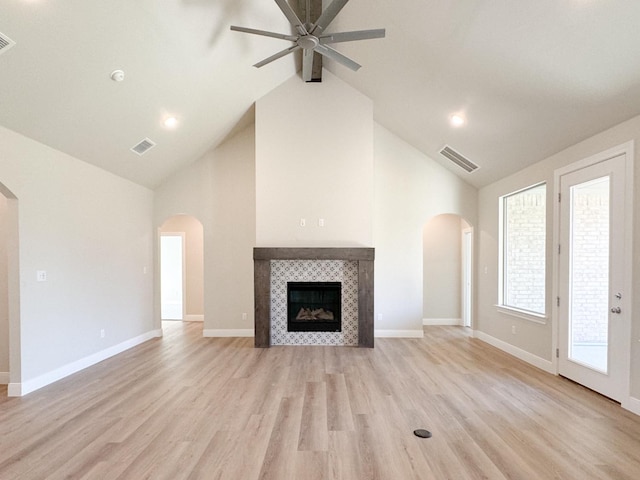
(314,306)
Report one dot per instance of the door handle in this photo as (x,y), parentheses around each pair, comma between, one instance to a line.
(615,310)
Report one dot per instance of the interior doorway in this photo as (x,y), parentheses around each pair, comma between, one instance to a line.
(10,361)
(4,292)
(172,276)
(447,271)
(594,312)
(181,255)
(467,276)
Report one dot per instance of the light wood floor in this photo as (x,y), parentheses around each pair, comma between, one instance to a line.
(189,407)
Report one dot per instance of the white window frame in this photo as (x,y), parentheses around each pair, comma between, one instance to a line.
(537,317)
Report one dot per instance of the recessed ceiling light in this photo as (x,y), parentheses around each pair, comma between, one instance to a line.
(457,120)
(170,122)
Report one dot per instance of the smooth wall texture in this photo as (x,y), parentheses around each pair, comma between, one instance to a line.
(91,232)
(532,337)
(410,189)
(314,160)
(219,190)
(442,264)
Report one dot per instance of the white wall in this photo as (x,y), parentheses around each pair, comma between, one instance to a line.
(91,232)
(534,338)
(314,160)
(410,189)
(253,190)
(4,291)
(219,190)
(442,264)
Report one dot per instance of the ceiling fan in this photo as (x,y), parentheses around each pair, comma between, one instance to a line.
(311,38)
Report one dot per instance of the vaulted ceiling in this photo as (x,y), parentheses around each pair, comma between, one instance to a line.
(531,78)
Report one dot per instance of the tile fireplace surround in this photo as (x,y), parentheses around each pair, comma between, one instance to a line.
(262,258)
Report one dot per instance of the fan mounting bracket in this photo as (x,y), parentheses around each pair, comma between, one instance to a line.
(308,42)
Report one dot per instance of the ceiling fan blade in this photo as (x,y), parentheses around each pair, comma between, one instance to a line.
(327,16)
(264,33)
(291,16)
(337,56)
(307,64)
(351,36)
(278,55)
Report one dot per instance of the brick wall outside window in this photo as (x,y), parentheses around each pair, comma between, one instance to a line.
(590,264)
(524,249)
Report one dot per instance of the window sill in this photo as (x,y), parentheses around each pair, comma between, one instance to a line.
(523,314)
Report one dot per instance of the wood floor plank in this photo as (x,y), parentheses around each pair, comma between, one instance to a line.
(314,430)
(187,407)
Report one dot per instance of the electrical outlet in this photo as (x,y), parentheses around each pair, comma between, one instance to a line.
(41,275)
(244,316)
(513,329)
(303,222)
(102,333)
(321,222)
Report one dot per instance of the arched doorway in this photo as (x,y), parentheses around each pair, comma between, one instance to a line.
(181,254)
(9,291)
(447,271)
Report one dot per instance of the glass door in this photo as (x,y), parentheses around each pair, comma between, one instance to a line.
(593,327)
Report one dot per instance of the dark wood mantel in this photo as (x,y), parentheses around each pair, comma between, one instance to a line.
(262,286)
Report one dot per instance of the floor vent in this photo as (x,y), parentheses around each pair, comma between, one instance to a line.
(458,159)
(5,43)
(143,147)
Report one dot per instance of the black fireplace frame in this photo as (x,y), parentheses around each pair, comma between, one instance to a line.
(326,295)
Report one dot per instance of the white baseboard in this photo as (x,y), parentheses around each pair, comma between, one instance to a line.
(523,355)
(193,318)
(398,333)
(632,404)
(20,389)
(442,321)
(4,378)
(222,332)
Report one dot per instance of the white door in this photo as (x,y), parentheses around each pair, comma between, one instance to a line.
(171,276)
(593,336)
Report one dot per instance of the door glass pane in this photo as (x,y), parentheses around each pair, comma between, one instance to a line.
(589,277)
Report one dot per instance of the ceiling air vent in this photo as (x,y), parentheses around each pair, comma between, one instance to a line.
(143,146)
(458,159)
(5,43)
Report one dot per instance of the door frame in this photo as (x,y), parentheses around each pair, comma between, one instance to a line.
(626,149)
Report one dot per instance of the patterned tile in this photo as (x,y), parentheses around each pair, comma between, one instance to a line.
(283,271)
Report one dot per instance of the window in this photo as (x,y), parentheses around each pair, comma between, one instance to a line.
(523,235)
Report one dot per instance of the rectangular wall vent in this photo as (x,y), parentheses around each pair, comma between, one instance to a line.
(5,43)
(458,159)
(143,147)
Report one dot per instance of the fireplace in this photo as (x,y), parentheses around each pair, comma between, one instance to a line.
(314,306)
(274,267)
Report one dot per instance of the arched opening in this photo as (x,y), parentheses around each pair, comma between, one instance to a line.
(447,271)
(9,291)
(181,255)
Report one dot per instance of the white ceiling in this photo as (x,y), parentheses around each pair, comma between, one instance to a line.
(532,77)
